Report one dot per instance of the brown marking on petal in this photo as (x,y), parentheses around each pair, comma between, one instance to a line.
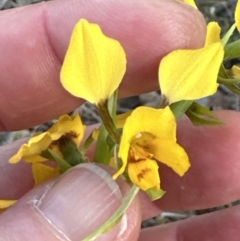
(64,139)
(143,173)
(133,157)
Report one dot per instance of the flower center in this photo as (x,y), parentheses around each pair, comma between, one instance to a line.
(140,147)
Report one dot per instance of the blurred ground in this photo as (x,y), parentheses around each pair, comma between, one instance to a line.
(213,10)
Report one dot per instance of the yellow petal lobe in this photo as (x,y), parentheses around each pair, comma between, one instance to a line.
(190,74)
(6,203)
(190,2)
(94,64)
(237,15)
(42,172)
(236,71)
(144,174)
(175,156)
(66,125)
(213,33)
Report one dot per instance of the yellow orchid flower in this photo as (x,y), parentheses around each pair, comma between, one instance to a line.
(237,15)
(70,127)
(192,74)
(190,2)
(149,135)
(66,127)
(94,64)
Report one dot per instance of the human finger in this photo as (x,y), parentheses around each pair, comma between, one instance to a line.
(212,179)
(71,207)
(36,38)
(217,226)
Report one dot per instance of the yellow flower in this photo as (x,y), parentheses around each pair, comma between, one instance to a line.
(192,74)
(190,2)
(68,126)
(149,135)
(237,15)
(94,64)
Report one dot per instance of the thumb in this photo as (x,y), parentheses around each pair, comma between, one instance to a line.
(71,208)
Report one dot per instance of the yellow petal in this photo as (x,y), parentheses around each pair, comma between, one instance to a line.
(94,64)
(34,146)
(237,15)
(34,158)
(42,172)
(65,125)
(171,154)
(190,74)
(236,71)
(213,33)
(71,125)
(144,174)
(121,119)
(190,2)
(158,122)
(6,203)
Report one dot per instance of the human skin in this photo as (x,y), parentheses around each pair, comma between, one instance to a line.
(32,49)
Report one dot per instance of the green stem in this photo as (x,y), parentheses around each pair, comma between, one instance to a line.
(108,121)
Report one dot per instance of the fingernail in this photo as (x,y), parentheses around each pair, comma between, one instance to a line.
(80,201)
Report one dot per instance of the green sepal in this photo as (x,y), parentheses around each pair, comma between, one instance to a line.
(228,34)
(234,88)
(179,108)
(201,115)
(51,155)
(155,194)
(87,143)
(71,153)
(112,105)
(224,76)
(222,80)
(102,151)
(116,217)
(105,143)
(232,50)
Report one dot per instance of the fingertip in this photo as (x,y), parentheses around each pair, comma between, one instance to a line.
(72,207)
(148,30)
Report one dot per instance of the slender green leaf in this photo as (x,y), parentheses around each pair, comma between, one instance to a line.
(116,217)
(64,166)
(87,143)
(112,105)
(102,149)
(232,50)
(201,115)
(228,34)
(222,80)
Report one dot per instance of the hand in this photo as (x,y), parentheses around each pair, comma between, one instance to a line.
(32,49)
